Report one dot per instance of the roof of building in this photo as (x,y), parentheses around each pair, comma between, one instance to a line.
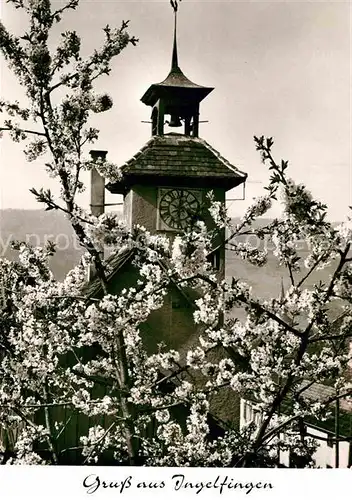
(113,265)
(176,81)
(319,392)
(176,156)
(176,78)
(323,393)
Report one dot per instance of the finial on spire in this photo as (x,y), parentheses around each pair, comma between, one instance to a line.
(174,62)
(174,4)
(282,291)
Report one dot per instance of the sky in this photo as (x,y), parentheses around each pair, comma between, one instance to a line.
(279,69)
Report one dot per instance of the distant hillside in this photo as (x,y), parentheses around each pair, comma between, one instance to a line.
(37,226)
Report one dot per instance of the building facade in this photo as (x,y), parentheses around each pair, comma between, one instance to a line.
(328,453)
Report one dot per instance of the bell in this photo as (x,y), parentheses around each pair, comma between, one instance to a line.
(175,121)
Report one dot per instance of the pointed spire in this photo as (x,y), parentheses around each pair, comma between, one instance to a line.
(176,80)
(174,62)
(282,291)
(285,316)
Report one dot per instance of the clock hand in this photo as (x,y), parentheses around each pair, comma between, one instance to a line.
(180,205)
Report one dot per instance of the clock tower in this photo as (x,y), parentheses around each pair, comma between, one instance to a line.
(165,185)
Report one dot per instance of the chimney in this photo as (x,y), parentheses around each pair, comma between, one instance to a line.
(97,183)
(97,196)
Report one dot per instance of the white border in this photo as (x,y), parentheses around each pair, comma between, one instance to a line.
(75,483)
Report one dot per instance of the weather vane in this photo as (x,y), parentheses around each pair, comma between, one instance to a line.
(174,4)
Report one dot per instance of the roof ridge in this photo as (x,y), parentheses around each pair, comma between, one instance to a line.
(221,158)
(116,260)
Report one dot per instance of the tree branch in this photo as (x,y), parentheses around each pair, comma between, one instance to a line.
(24,131)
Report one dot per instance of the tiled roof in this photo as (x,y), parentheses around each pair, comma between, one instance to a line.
(176,78)
(114,263)
(176,81)
(176,156)
(319,392)
(322,393)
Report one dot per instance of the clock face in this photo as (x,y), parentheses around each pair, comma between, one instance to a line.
(178,206)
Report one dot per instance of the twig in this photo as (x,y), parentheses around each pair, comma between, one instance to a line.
(99,440)
(25,131)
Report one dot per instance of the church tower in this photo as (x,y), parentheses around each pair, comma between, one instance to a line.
(165,185)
